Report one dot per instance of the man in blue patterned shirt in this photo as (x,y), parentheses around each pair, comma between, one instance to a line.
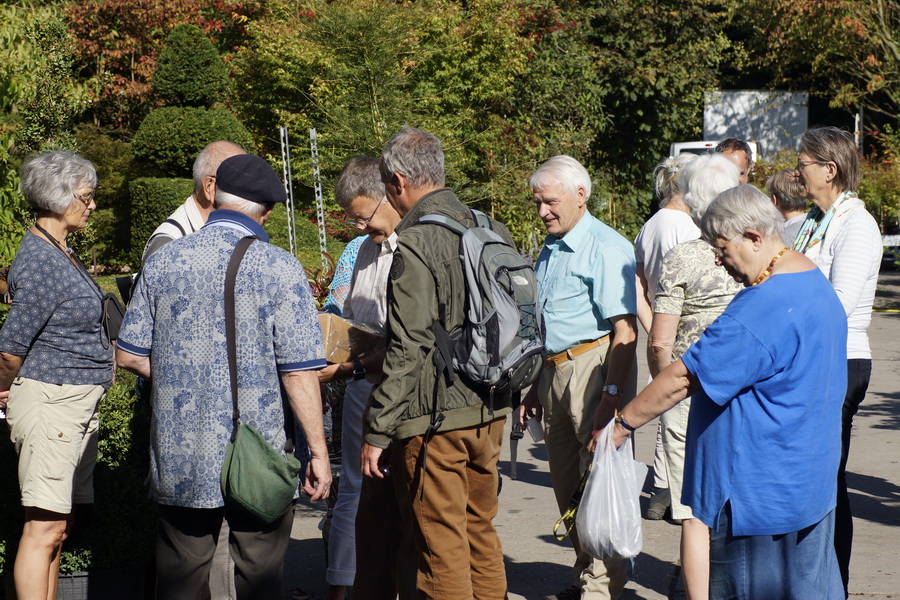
(174,334)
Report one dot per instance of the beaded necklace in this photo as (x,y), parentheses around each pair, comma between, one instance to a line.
(768,270)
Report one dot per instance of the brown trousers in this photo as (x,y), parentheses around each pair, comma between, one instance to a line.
(453,504)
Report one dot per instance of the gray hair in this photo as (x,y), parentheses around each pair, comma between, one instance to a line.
(360,177)
(417,155)
(741,208)
(666,176)
(830,144)
(564,170)
(207,162)
(49,180)
(787,187)
(703,179)
(252,209)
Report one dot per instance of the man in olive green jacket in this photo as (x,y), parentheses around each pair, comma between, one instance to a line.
(446,439)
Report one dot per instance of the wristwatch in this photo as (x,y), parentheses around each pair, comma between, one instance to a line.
(359,371)
(621,421)
(612,389)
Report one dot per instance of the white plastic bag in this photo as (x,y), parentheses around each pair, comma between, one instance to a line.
(609,515)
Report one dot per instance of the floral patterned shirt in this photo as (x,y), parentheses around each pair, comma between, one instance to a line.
(54,321)
(693,286)
(177,318)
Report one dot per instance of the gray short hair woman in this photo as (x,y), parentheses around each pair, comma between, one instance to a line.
(55,365)
(691,292)
(844,241)
(767,383)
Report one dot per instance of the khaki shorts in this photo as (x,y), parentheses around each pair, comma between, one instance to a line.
(54,429)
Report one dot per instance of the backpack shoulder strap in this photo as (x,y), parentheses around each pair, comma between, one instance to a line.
(444,221)
(481,219)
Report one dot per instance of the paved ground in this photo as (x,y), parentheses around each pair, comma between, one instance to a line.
(538,565)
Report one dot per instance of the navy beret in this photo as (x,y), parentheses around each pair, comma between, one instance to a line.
(250,177)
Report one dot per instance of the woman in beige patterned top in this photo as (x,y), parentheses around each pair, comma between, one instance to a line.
(692,292)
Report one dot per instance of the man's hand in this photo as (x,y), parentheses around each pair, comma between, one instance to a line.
(370,461)
(4,398)
(530,408)
(317,482)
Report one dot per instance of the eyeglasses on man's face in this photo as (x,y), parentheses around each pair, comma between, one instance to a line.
(363,223)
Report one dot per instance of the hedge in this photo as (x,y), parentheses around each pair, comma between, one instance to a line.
(171,137)
(152,201)
(189,71)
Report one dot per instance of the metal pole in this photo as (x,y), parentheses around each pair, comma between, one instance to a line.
(320,203)
(289,188)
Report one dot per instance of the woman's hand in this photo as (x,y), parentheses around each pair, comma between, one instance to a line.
(619,435)
(334,371)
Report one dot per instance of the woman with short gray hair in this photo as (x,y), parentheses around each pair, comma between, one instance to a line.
(767,381)
(55,365)
(692,291)
(843,239)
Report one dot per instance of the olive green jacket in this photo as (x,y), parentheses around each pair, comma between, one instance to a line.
(426,284)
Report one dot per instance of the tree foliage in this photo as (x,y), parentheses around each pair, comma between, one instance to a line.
(118,44)
(189,71)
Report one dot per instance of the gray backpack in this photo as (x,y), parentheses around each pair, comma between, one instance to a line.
(501,344)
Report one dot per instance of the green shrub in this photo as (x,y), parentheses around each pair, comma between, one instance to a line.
(152,201)
(189,71)
(171,137)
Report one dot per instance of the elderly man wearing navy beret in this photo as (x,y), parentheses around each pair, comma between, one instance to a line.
(174,334)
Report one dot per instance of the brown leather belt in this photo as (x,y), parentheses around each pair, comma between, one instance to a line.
(558,359)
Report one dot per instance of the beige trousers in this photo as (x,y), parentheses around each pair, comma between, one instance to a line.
(570,394)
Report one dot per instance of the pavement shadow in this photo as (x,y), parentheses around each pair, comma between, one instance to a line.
(874,499)
(884,406)
(526,473)
(534,580)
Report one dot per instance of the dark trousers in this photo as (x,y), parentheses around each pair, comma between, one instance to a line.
(386,557)
(186,541)
(859,371)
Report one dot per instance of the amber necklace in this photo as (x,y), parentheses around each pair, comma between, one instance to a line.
(768,270)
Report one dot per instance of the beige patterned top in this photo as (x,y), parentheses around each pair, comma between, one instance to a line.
(693,286)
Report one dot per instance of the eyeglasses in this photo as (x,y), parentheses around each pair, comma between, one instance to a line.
(365,222)
(720,252)
(801,164)
(86,199)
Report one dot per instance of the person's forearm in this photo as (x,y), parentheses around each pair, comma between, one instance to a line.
(302,388)
(668,388)
(139,365)
(661,341)
(9,368)
(622,351)
(644,311)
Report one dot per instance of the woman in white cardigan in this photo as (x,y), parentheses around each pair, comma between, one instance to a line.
(842,238)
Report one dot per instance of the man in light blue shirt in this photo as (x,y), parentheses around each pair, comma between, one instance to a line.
(585,275)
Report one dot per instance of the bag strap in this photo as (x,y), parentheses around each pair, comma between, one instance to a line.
(230,276)
(178,225)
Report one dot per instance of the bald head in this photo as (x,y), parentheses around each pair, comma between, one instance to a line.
(206,165)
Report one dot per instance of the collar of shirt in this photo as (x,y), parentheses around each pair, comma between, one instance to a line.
(575,237)
(224,217)
(389,245)
(195,219)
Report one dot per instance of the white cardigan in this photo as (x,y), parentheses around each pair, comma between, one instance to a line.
(850,257)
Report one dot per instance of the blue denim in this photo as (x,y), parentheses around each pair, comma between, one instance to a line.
(792,566)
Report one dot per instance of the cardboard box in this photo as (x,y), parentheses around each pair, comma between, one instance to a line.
(345,340)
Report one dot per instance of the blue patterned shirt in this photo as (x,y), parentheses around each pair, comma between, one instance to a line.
(177,318)
(54,321)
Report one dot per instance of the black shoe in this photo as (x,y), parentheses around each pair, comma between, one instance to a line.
(660,503)
(573,592)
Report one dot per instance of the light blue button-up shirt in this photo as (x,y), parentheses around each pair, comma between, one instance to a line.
(584,279)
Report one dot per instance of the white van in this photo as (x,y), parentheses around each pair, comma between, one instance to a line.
(703,148)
